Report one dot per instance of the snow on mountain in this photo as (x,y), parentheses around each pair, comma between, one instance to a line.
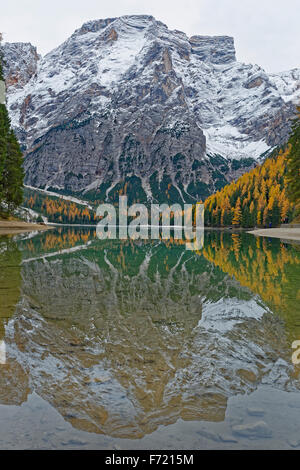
(20,71)
(288,85)
(127,98)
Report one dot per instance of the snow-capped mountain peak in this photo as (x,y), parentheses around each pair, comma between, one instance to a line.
(126,97)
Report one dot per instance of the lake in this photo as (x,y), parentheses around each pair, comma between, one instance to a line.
(145,345)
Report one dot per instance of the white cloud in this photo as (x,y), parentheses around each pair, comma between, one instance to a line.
(266,32)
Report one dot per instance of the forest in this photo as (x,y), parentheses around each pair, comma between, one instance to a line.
(267,196)
(58,210)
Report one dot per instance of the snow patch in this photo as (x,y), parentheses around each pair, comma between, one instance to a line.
(230,143)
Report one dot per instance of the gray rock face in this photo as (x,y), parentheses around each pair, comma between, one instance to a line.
(127,103)
(214,50)
(20,64)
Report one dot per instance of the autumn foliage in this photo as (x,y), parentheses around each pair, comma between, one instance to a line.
(59,210)
(258,198)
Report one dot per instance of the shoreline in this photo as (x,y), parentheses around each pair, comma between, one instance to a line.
(284,233)
(13,227)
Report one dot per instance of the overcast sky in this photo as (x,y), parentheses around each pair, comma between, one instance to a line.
(266,32)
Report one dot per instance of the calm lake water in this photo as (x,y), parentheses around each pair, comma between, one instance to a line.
(142,344)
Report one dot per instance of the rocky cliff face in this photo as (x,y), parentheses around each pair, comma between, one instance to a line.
(20,65)
(127,104)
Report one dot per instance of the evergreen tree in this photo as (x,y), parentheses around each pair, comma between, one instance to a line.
(13,174)
(4,129)
(293,164)
(11,171)
(246,217)
(275,214)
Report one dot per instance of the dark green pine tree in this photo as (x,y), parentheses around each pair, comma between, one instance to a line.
(275,215)
(246,217)
(293,164)
(13,174)
(11,171)
(4,130)
(253,218)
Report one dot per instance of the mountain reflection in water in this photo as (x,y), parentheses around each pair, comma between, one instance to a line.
(122,337)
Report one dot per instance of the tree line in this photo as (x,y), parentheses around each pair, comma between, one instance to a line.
(59,210)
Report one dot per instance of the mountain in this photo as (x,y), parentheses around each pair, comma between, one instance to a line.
(127,105)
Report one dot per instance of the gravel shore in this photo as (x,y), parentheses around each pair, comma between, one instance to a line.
(17,226)
(287,233)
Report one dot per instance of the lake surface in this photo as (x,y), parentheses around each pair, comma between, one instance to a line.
(143,344)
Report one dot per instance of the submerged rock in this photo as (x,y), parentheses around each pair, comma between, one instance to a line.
(255,430)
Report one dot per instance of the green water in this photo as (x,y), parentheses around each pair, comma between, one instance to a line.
(143,344)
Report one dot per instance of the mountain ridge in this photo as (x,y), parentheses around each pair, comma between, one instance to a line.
(126,100)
